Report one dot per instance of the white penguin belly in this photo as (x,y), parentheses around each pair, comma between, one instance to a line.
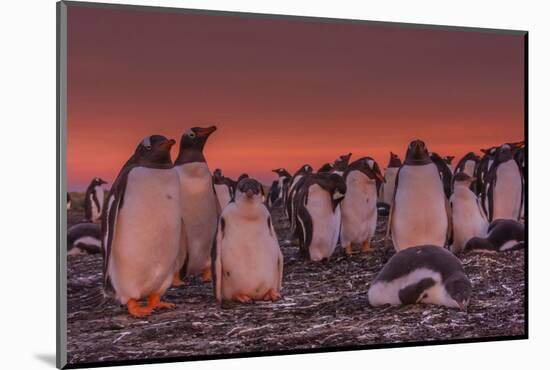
(249,256)
(325,223)
(507,192)
(419,216)
(468,221)
(199,213)
(389,185)
(222,192)
(146,240)
(359,214)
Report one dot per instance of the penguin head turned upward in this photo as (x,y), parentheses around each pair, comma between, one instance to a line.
(459,289)
(462,179)
(449,159)
(249,190)
(154,151)
(192,144)
(341,163)
(281,172)
(98,181)
(417,154)
(394,161)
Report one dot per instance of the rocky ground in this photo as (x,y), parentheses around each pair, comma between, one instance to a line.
(324,305)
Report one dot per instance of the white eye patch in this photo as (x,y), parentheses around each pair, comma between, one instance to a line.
(146,142)
(190,133)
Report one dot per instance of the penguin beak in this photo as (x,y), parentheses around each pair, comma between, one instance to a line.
(167,144)
(205,132)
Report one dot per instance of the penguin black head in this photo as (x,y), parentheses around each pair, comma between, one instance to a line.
(281,172)
(154,150)
(249,189)
(243,176)
(394,160)
(504,153)
(98,181)
(192,144)
(459,289)
(217,175)
(334,184)
(341,163)
(448,159)
(417,153)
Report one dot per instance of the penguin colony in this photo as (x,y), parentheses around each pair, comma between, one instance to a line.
(164,220)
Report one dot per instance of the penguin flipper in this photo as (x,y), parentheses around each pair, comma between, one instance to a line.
(449,211)
(216,261)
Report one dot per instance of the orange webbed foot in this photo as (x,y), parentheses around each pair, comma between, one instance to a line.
(155,303)
(272,295)
(136,310)
(176,280)
(366,247)
(243,298)
(206,275)
(348,250)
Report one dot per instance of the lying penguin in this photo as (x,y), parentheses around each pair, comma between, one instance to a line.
(84,238)
(247,263)
(422,274)
(503,235)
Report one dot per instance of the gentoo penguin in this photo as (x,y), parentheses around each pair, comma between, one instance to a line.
(483,167)
(449,160)
(224,188)
(503,235)
(69,201)
(325,168)
(84,238)
(282,186)
(467,165)
(445,172)
(376,168)
(93,201)
(390,174)
(340,164)
(359,212)
(503,187)
(141,228)
(422,274)
(317,222)
(199,203)
(469,220)
(292,188)
(420,214)
(247,263)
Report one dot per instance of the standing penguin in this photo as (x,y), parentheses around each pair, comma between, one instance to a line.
(224,188)
(390,174)
(359,212)
(295,181)
(141,228)
(93,202)
(340,164)
(467,165)
(503,235)
(247,263)
(317,222)
(469,220)
(449,160)
(444,172)
(422,274)
(282,186)
(503,187)
(199,203)
(420,213)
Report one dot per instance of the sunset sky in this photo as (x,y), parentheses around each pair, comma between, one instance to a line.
(283,92)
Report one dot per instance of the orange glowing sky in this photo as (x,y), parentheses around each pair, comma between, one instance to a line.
(283,92)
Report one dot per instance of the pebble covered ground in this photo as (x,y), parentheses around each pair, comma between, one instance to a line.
(324,305)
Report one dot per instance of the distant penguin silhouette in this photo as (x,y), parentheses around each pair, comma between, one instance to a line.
(390,173)
(93,201)
(224,188)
